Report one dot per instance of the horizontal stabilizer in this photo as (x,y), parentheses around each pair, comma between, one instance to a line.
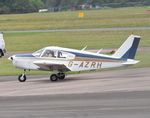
(130,62)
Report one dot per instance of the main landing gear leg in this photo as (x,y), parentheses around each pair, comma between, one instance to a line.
(22,77)
(58,76)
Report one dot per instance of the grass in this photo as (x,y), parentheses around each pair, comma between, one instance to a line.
(144,60)
(27,42)
(119,17)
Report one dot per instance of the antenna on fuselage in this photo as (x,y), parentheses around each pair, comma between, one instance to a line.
(84,48)
(99,51)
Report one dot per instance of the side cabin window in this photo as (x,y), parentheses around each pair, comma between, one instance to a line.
(49,53)
(66,55)
(61,54)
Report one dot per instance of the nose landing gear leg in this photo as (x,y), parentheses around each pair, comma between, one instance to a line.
(22,77)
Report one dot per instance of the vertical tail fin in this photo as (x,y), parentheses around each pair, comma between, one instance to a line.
(128,48)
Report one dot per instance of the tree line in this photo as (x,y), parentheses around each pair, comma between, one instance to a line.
(27,6)
(20,6)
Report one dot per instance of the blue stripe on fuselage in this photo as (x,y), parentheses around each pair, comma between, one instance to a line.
(94,56)
(77,55)
(24,55)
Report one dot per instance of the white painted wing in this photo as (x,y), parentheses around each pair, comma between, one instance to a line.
(50,65)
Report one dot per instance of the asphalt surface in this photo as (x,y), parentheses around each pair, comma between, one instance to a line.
(80,30)
(93,105)
(118,93)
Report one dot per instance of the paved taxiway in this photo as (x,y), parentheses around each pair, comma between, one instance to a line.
(88,105)
(115,94)
(80,30)
(108,81)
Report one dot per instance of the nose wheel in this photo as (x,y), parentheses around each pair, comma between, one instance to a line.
(58,76)
(22,78)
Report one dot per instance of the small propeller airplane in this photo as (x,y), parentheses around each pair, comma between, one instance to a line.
(60,60)
(2,45)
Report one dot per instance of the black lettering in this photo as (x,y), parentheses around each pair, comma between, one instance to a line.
(99,65)
(81,65)
(87,64)
(93,64)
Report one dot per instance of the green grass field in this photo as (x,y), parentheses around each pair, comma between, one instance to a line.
(29,42)
(119,17)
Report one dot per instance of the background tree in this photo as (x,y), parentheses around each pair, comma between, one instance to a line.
(26,6)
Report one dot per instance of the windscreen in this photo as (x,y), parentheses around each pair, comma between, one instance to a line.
(38,53)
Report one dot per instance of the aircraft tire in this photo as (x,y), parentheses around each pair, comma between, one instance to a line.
(61,76)
(22,78)
(53,77)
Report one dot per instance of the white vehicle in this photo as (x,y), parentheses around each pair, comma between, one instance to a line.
(2,45)
(60,60)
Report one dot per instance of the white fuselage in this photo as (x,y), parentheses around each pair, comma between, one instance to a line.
(76,61)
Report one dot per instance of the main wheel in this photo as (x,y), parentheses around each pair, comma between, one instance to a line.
(53,77)
(22,78)
(61,76)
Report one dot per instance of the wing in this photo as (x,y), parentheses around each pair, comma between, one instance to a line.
(49,65)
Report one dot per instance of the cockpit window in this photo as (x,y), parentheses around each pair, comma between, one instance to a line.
(38,53)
